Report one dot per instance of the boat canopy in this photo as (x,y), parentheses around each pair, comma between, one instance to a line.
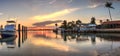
(11,22)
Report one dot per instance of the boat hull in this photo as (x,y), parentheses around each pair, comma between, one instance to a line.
(5,34)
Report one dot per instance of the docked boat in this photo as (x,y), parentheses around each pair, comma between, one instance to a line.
(9,29)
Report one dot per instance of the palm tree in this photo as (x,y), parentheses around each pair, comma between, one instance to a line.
(101,21)
(56,25)
(73,25)
(69,25)
(78,22)
(109,5)
(73,22)
(64,24)
(93,20)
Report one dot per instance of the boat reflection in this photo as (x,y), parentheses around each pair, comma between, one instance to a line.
(10,41)
(15,40)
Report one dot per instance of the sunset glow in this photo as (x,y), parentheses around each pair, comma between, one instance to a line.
(57,46)
(29,12)
(59,27)
(54,14)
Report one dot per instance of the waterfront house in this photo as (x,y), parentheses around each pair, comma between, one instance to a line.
(109,26)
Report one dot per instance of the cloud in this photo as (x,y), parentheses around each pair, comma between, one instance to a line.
(46,23)
(94,5)
(55,14)
(70,1)
(53,1)
(1,13)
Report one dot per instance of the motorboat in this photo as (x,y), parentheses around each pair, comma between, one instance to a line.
(9,29)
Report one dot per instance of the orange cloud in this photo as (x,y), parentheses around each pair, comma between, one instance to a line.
(55,14)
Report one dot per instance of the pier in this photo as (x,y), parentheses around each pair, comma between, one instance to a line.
(22,34)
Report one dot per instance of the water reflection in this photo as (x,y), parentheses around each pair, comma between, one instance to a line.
(45,34)
(79,37)
(84,37)
(113,38)
(93,38)
(109,36)
(47,43)
(22,36)
(10,41)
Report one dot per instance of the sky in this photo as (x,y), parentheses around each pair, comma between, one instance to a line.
(48,12)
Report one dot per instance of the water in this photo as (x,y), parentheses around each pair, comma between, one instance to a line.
(47,43)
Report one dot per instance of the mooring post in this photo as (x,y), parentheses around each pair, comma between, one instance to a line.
(19,35)
(22,33)
(26,32)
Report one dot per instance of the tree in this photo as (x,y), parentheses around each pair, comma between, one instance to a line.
(78,22)
(101,21)
(69,25)
(56,25)
(73,24)
(93,20)
(107,20)
(109,5)
(64,24)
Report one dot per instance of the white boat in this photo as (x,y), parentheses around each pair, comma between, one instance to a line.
(9,29)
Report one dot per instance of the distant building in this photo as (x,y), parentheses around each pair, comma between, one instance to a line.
(109,25)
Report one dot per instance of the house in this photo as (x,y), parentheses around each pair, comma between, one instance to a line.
(109,25)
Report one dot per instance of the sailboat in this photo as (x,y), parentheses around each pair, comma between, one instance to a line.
(9,29)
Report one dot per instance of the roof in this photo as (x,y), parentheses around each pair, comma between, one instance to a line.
(92,25)
(11,21)
(112,22)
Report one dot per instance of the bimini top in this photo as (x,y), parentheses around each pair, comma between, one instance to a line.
(11,21)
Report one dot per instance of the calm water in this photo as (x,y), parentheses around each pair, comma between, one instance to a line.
(47,43)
